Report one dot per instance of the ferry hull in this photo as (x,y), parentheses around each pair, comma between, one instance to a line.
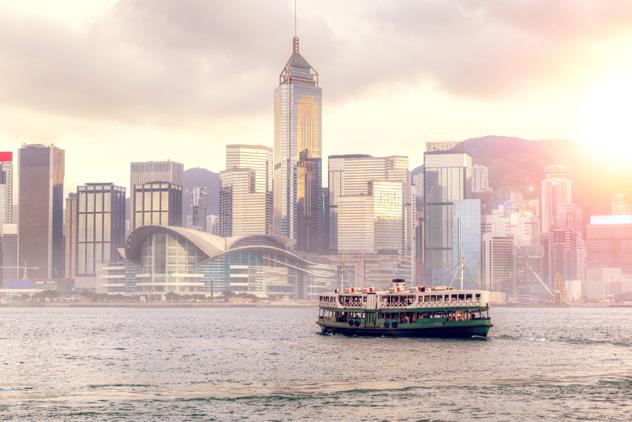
(430,332)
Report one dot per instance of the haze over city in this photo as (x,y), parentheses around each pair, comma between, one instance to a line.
(315,210)
(135,79)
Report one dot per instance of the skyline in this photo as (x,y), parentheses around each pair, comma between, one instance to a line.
(414,80)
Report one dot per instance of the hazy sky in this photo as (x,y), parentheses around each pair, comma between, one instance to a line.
(117,81)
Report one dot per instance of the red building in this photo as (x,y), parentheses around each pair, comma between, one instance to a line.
(609,242)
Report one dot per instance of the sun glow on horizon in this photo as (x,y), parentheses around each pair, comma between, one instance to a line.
(604,119)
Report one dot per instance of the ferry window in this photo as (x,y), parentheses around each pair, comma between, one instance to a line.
(461,297)
(468,296)
(478,296)
(433,298)
(453,298)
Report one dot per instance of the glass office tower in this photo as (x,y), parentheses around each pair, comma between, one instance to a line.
(298,145)
(41,208)
(446,180)
(100,225)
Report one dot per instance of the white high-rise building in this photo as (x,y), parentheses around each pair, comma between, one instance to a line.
(387,181)
(256,157)
(245,191)
(480,179)
(556,192)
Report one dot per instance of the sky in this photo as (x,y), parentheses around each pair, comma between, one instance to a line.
(133,80)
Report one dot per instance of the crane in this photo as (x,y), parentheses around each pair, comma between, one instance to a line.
(558,296)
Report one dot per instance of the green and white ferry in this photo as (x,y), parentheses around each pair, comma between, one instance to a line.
(438,311)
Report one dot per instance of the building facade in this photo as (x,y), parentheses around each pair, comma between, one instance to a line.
(9,270)
(498,264)
(198,206)
(609,242)
(41,207)
(153,171)
(157,203)
(6,188)
(466,240)
(256,157)
(387,181)
(557,192)
(480,179)
(246,191)
(563,256)
(242,210)
(70,235)
(446,180)
(100,225)
(297,145)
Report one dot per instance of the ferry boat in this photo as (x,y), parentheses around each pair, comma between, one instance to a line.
(438,311)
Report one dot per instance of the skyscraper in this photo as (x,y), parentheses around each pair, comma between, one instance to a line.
(480,179)
(6,188)
(41,205)
(298,145)
(447,179)
(563,255)
(153,171)
(8,253)
(157,204)
(256,157)
(466,239)
(100,225)
(498,263)
(8,231)
(242,210)
(70,235)
(556,192)
(257,196)
(197,206)
(357,175)
(609,242)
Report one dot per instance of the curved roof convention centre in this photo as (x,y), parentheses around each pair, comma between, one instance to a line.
(210,245)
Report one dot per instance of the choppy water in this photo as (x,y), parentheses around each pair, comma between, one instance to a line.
(270,364)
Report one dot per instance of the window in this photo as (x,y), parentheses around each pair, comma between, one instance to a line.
(98,227)
(90,202)
(107,202)
(90,228)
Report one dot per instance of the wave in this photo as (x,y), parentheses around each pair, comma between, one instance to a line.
(567,340)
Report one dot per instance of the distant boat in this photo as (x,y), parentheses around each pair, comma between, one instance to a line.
(406,312)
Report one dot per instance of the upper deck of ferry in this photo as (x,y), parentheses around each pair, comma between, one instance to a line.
(400,297)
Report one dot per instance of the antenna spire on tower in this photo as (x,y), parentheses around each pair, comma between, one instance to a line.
(295,43)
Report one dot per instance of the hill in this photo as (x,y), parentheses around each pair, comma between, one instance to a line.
(518,164)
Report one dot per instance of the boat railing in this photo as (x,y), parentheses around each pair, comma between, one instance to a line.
(460,303)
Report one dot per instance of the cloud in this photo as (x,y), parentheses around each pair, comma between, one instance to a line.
(167,61)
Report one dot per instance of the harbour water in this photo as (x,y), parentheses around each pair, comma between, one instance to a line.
(271,364)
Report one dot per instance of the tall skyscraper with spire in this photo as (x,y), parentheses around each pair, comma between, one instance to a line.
(297,201)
